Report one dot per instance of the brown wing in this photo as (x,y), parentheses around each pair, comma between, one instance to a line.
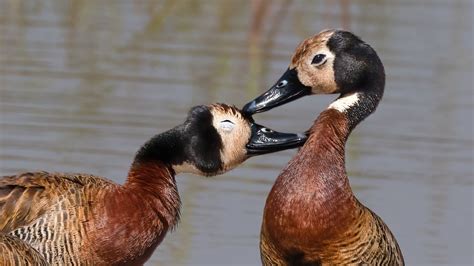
(26,197)
(48,211)
(388,245)
(13,251)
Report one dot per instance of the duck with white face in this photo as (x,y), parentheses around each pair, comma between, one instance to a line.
(311,215)
(82,219)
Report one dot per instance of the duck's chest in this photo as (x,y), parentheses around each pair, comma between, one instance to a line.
(305,212)
(124,233)
(290,212)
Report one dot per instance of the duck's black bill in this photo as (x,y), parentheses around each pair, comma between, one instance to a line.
(287,89)
(265,140)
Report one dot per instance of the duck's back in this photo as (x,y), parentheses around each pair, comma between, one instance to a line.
(49,211)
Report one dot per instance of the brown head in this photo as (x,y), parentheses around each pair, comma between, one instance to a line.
(333,61)
(214,139)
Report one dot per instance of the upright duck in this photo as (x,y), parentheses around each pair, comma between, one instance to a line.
(80,219)
(311,216)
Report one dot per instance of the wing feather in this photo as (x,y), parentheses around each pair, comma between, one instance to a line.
(14,251)
(27,196)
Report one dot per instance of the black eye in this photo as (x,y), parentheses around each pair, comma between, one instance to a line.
(318,59)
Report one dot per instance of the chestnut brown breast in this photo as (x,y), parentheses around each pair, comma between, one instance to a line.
(311,216)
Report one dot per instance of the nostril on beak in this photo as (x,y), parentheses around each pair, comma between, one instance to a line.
(250,108)
(282,83)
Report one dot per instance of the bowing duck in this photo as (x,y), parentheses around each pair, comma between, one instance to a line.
(311,215)
(73,219)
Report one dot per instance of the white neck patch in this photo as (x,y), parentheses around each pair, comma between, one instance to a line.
(186,168)
(344,103)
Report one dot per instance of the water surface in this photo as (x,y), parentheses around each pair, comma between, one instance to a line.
(84,83)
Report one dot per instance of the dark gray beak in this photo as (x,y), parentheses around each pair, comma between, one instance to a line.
(287,89)
(265,140)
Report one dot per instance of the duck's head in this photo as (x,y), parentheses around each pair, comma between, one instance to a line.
(333,61)
(214,139)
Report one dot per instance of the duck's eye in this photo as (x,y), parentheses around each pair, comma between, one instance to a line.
(318,59)
(282,83)
(266,130)
(227,125)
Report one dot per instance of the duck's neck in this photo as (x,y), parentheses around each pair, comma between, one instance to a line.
(358,105)
(313,191)
(329,134)
(152,174)
(324,152)
(318,173)
(135,217)
(167,148)
(154,182)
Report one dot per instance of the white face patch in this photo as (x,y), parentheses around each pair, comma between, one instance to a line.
(318,75)
(344,103)
(235,132)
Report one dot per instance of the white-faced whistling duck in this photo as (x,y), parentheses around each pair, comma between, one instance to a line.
(311,216)
(73,219)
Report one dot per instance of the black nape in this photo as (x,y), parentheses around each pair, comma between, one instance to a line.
(167,147)
(205,143)
(357,65)
(196,142)
(357,68)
